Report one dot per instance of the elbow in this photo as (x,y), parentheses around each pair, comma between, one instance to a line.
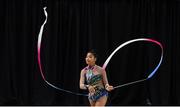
(81,86)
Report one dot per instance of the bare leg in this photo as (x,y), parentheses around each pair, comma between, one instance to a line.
(102,101)
(92,103)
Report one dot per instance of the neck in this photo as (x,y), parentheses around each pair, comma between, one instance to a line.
(91,66)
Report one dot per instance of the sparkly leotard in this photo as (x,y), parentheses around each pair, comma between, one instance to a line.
(96,82)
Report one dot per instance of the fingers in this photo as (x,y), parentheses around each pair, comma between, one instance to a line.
(109,88)
(91,89)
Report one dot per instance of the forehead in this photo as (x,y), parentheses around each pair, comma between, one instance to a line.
(90,54)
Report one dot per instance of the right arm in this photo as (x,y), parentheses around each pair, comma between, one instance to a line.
(84,86)
(82,81)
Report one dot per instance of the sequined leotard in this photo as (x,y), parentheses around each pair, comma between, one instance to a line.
(95,80)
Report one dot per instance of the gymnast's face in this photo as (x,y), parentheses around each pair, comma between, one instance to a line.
(90,59)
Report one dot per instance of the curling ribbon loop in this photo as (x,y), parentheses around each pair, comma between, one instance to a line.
(129,42)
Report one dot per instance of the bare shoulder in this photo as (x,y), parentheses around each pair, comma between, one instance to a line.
(83,70)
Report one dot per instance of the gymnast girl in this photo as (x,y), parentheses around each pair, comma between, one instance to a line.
(94,79)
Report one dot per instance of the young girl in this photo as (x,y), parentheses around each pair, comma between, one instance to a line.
(96,80)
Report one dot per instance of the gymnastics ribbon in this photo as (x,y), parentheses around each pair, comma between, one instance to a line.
(129,42)
(39,59)
(104,65)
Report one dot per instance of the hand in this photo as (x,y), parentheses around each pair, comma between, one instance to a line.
(91,90)
(109,87)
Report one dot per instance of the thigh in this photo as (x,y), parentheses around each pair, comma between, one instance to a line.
(101,101)
(92,103)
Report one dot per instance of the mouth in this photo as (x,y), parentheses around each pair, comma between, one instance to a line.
(87,61)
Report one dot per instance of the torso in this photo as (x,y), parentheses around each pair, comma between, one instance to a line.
(94,78)
(93,75)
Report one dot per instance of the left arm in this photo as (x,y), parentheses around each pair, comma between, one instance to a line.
(105,81)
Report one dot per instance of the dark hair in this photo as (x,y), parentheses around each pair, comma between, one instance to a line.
(93,52)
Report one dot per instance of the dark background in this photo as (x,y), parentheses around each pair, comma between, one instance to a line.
(72,29)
